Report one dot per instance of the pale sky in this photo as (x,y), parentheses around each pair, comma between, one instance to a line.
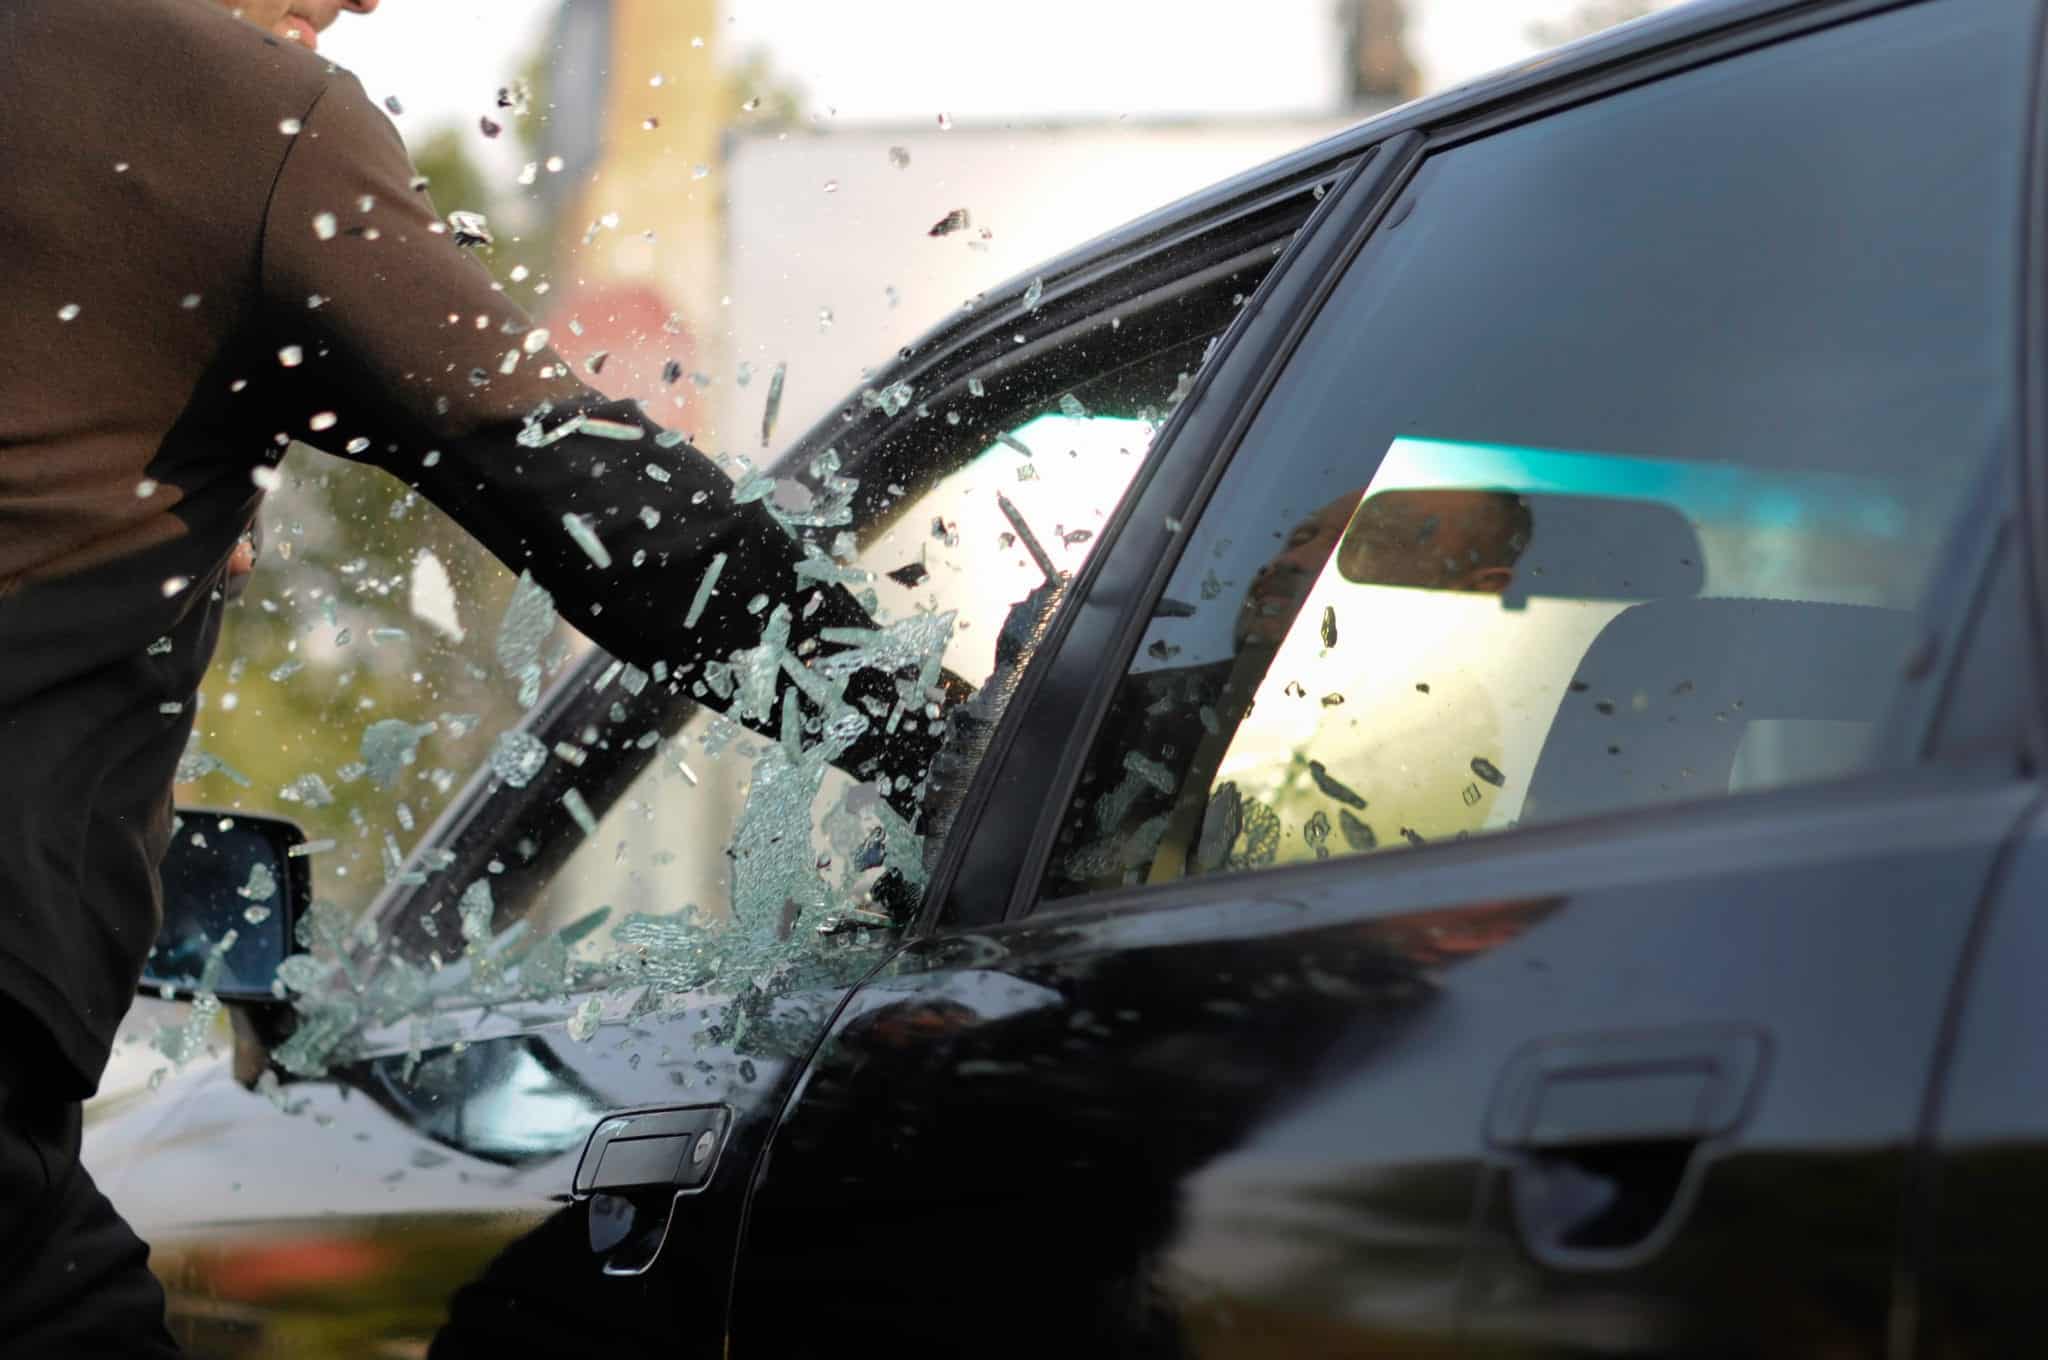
(908,60)
(898,64)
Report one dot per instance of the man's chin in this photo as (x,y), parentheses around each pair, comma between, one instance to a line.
(300,30)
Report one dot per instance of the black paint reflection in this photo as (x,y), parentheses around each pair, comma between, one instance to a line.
(509,1101)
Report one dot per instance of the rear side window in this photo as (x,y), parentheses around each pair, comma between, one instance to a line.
(1619,469)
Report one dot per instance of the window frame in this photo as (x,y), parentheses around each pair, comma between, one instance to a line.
(1193,454)
(2028,489)
(974,881)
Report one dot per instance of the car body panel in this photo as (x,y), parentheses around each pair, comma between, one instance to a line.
(1252,1121)
(323,1216)
(1988,1184)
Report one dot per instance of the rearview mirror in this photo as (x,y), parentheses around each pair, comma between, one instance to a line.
(1518,545)
(233,896)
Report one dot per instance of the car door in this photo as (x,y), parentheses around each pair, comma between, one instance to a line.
(1965,1288)
(522,1098)
(1503,890)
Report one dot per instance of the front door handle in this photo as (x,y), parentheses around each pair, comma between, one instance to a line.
(1602,1134)
(634,1169)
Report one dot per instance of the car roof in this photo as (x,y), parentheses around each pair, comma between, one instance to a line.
(1666,28)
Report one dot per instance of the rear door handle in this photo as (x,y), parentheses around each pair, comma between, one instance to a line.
(1602,1134)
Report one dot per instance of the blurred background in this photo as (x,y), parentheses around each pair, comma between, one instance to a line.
(705,193)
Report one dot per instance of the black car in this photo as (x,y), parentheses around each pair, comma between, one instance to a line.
(1510,827)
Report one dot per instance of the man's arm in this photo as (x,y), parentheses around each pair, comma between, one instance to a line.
(401,337)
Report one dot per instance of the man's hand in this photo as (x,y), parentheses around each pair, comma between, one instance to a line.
(299,20)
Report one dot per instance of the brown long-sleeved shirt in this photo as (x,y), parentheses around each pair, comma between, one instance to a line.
(211,241)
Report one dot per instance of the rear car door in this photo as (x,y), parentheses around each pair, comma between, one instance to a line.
(1504,888)
(1967,1287)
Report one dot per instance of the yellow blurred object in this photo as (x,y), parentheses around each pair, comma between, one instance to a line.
(641,237)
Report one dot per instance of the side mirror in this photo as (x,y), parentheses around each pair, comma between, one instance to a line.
(228,873)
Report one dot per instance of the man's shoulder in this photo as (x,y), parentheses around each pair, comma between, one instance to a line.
(203,105)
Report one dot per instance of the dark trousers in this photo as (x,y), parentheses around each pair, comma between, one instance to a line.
(74,1278)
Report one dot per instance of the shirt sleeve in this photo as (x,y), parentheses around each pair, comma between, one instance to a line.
(385,324)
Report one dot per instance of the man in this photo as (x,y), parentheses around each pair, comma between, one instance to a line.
(215,244)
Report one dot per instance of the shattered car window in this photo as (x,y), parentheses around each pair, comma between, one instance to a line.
(661,842)
(678,842)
